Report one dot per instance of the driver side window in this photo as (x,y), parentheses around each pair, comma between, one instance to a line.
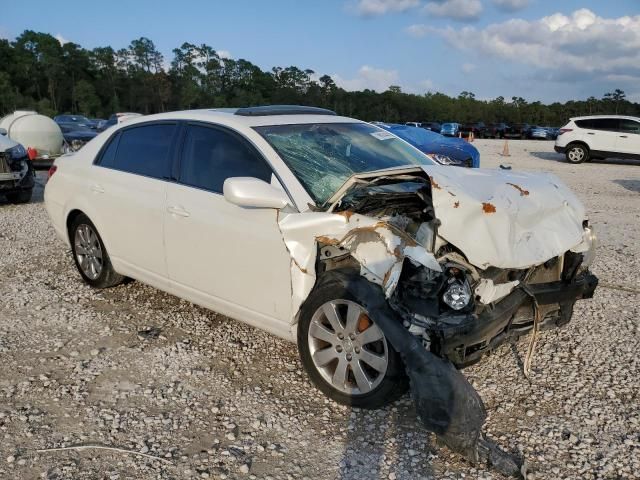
(211,155)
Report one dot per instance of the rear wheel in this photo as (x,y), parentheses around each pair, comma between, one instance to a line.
(90,255)
(345,353)
(577,153)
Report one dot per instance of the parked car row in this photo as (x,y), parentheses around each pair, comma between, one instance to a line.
(491,130)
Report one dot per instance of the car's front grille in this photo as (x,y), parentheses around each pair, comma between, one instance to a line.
(4,164)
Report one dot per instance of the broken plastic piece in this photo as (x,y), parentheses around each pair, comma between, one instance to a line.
(445,401)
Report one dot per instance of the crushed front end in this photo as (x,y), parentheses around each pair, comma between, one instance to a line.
(16,172)
(464,264)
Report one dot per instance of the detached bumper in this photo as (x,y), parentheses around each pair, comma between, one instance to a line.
(560,149)
(466,338)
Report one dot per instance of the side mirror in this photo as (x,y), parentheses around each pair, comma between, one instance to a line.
(3,131)
(252,192)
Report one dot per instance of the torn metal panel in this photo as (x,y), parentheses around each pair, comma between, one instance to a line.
(518,219)
(379,247)
(488,292)
(497,218)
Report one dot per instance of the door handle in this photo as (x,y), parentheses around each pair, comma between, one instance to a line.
(181,212)
(590,133)
(95,188)
(623,136)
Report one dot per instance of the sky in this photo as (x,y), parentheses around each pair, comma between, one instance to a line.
(545,50)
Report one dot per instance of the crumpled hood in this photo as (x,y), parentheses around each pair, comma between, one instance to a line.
(505,219)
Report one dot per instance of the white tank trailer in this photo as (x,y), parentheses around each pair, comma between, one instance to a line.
(34,131)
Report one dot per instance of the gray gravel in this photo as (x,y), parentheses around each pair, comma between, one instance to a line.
(139,370)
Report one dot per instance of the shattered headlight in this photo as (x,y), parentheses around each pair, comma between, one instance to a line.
(444,160)
(457,293)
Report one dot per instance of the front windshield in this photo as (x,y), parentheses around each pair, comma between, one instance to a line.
(324,155)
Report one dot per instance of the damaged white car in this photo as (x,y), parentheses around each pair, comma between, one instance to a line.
(387,269)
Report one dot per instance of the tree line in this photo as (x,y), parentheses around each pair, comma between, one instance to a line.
(38,72)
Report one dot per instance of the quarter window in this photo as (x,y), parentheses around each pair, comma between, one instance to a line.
(211,155)
(109,153)
(142,150)
(629,126)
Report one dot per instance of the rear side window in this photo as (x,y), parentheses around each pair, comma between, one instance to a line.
(584,123)
(629,126)
(143,150)
(212,155)
(607,124)
(108,157)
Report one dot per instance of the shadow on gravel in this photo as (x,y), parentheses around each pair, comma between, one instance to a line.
(631,185)
(617,161)
(379,442)
(548,156)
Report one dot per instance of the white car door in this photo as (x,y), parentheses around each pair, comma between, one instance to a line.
(601,134)
(128,190)
(228,258)
(628,141)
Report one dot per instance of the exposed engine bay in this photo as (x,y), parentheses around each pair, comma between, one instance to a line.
(450,291)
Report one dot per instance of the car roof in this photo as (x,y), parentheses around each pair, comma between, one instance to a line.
(230,118)
(595,117)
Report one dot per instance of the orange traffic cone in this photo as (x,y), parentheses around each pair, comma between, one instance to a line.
(505,150)
(471,137)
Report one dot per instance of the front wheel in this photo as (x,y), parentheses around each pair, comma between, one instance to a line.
(344,352)
(577,154)
(90,255)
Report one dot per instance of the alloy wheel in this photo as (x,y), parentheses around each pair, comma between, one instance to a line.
(576,154)
(347,348)
(88,251)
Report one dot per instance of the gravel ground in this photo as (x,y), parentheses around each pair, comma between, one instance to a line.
(211,398)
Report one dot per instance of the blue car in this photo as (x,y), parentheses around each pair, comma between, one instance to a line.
(450,129)
(444,150)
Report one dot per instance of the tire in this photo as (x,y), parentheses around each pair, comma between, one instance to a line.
(23,196)
(90,255)
(385,387)
(577,153)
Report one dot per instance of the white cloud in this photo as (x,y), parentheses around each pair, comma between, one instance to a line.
(61,39)
(224,53)
(460,10)
(380,7)
(368,78)
(426,85)
(581,43)
(511,5)
(418,30)
(468,67)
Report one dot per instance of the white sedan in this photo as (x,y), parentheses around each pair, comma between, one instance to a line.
(334,234)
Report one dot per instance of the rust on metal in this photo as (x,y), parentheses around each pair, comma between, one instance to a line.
(523,192)
(456,205)
(346,214)
(435,185)
(488,207)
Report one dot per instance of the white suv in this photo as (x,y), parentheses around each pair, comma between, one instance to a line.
(598,137)
(337,235)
